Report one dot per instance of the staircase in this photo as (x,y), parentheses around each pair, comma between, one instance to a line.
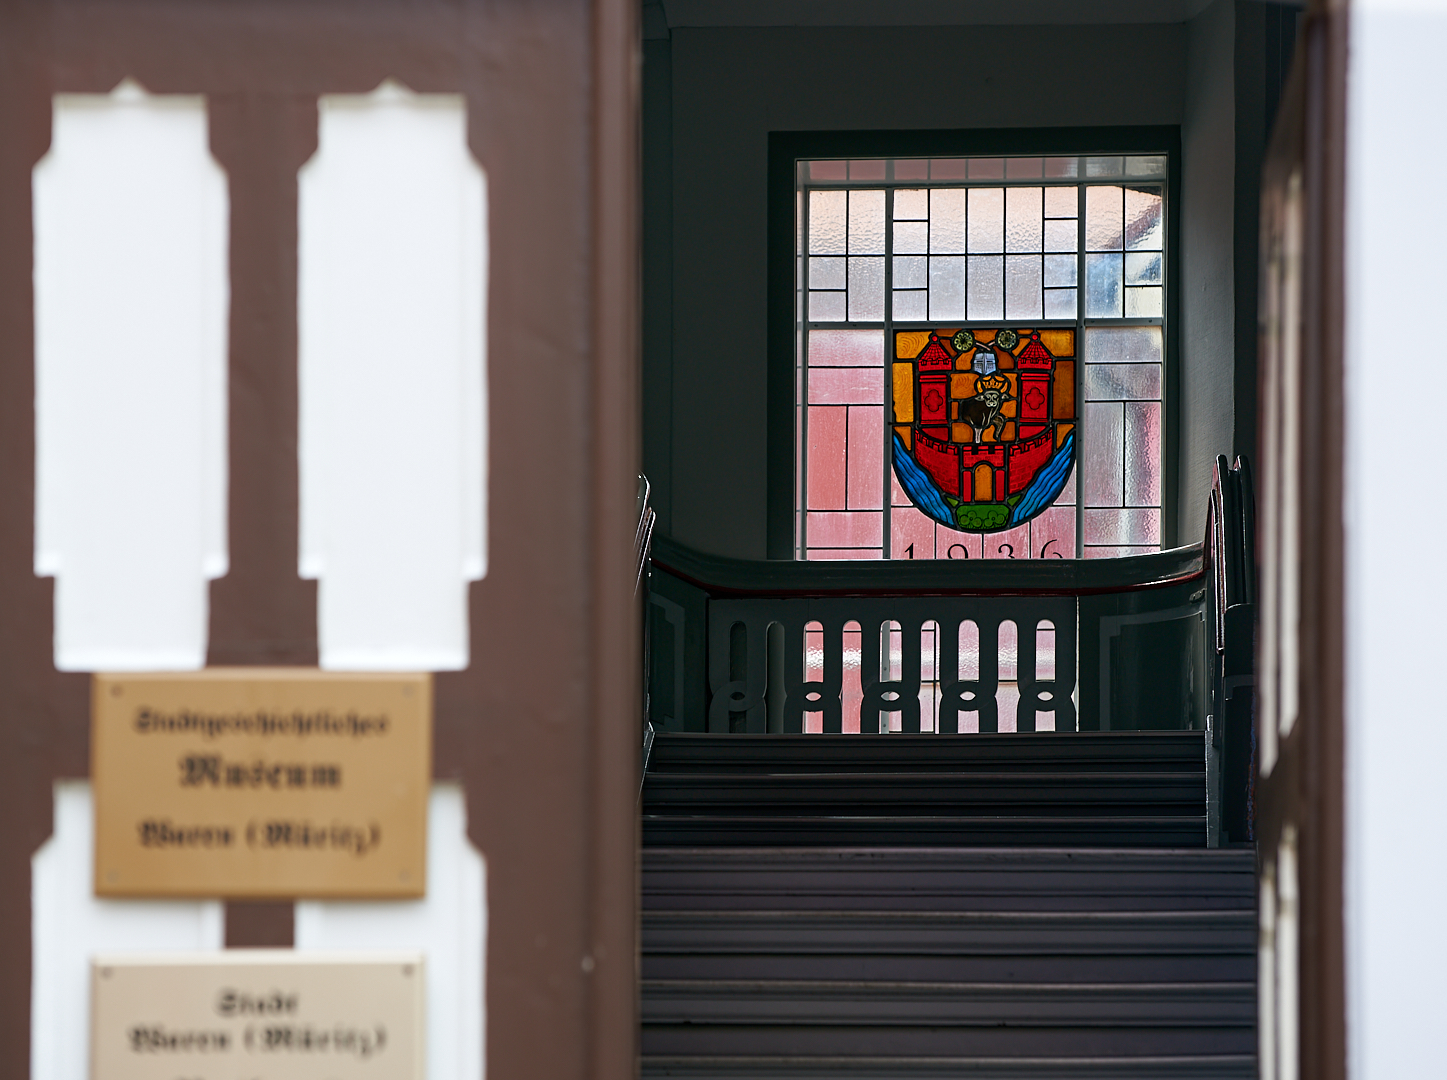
(990,906)
(924,902)
(1136,789)
(1086,964)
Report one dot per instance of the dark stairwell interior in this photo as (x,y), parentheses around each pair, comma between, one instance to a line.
(1073,898)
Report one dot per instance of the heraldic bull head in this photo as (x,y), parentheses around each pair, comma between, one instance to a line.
(983,410)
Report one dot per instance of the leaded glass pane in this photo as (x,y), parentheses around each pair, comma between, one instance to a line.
(985,258)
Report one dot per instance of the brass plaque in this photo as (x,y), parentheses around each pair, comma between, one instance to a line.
(259,1015)
(261,782)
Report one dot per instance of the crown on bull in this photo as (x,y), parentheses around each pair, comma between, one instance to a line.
(993,382)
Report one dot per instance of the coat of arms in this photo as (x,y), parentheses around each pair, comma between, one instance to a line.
(984,423)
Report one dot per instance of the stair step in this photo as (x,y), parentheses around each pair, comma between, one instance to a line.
(1185,830)
(949,1039)
(1104,793)
(946,933)
(758,1067)
(914,1004)
(948,879)
(1077,751)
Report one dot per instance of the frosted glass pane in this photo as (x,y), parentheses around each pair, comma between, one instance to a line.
(866,223)
(911,306)
(947,287)
(846,529)
(857,554)
(846,386)
(1104,218)
(868,169)
(1059,271)
(1062,166)
(987,287)
(1143,228)
(1143,453)
(911,237)
(1122,382)
(1023,225)
(987,168)
(911,204)
(826,307)
(1059,303)
(828,170)
(826,273)
(825,471)
(1145,166)
(1103,461)
(1143,303)
(866,289)
(1134,527)
(827,222)
(1123,345)
(911,272)
(866,458)
(987,219)
(947,168)
(847,348)
(1143,268)
(1103,286)
(1022,287)
(947,221)
(914,169)
(1062,235)
(1103,166)
(1024,168)
(1062,202)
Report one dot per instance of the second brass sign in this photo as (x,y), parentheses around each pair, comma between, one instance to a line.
(261,782)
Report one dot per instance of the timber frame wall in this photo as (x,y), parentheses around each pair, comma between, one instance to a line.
(1305,788)
(547,755)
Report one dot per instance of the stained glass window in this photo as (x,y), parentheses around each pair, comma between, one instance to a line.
(981,358)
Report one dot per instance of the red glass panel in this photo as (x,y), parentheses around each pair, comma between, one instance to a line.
(826,467)
(866,458)
(853,691)
(843,554)
(912,534)
(1008,544)
(1053,533)
(858,529)
(952,544)
(846,386)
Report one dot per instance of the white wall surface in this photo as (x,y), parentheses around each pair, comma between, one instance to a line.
(69,925)
(131,284)
(449,927)
(1396,729)
(392,283)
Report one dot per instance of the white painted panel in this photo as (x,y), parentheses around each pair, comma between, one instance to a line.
(449,927)
(1396,579)
(69,925)
(130,378)
(393,413)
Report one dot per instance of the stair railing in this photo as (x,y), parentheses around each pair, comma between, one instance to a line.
(1147,642)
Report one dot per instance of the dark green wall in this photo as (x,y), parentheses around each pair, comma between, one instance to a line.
(711,97)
